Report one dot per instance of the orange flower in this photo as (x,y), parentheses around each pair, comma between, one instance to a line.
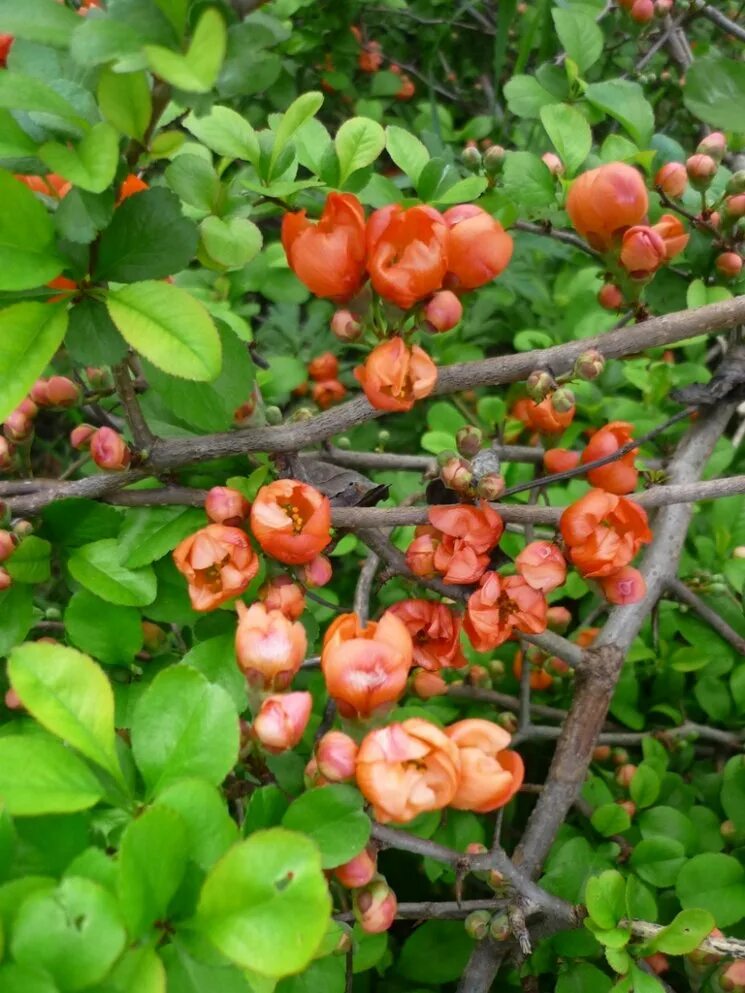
(131,186)
(560,459)
(282,594)
(328,392)
(67,286)
(396,375)
(625,586)
(281,720)
(501,606)
(224,505)
(673,234)
(480,527)
(642,251)
(406,253)
(672,179)
(460,544)
(269,647)
(6,42)
(324,366)
(539,678)
(406,769)
(587,636)
(218,563)
(604,201)
(478,247)
(366,668)
(542,566)
(420,555)
(291,521)
(617,477)
(545,418)
(428,684)
(50,185)
(604,532)
(328,256)
(435,632)
(490,774)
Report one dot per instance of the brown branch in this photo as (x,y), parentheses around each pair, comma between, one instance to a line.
(717,17)
(682,592)
(566,237)
(142,435)
(363,589)
(689,729)
(432,910)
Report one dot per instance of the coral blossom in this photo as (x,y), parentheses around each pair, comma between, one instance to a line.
(478,247)
(625,586)
(603,532)
(621,475)
(406,769)
(407,257)
(490,773)
(282,594)
(281,720)
(218,562)
(268,646)
(291,521)
(542,566)
(395,375)
(435,632)
(501,606)
(366,668)
(603,202)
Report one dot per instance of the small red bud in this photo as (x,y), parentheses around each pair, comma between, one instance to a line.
(672,178)
(18,427)
(375,906)
(6,453)
(610,297)
(491,486)
(224,505)
(5,581)
(553,163)
(701,170)
(62,392)
(539,384)
(28,408)
(443,311)
(8,545)
(80,437)
(601,754)
(154,637)
(428,684)
(336,755)
(589,365)
(478,675)
(642,11)
(628,805)
(559,619)
(729,265)
(109,450)
(625,774)
(735,206)
(359,871)
(469,439)
(714,144)
(456,475)
(317,572)
(345,327)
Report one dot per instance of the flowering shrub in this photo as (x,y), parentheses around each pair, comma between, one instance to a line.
(372,545)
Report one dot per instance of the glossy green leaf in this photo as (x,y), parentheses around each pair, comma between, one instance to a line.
(305,106)
(30,562)
(27,255)
(30,334)
(359,141)
(125,102)
(715,91)
(230,243)
(581,37)
(198,69)
(624,100)
(684,933)
(605,896)
(19,91)
(226,132)
(100,567)
(39,775)
(333,816)
(42,21)
(569,133)
(110,633)
(210,830)
(91,164)
(713,882)
(407,151)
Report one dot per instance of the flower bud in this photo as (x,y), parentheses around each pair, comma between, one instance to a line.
(311,775)
(477,924)
(5,580)
(736,182)
(442,458)
(539,384)
(701,170)
(628,805)
(345,327)
(558,618)
(6,453)
(496,668)
(359,871)
(508,721)
(619,756)
(563,400)
(38,393)
(476,848)
(499,928)
(428,684)
(22,529)
(729,265)
(601,754)
(375,906)
(457,475)
(469,439)
(731,977)
(273,415)
(317,572)
(98,379)
(8,545)
(589,365)
(494,159)
(62,392)
(642,11)
(728,830)
(672,179)
(80,437)
(735,207)
(109,450)
(478,675)
(610,297)
(281,720)
(471,158)
(336,755)
(323,367)
(154,637)
(714,145)
(282,594)
(663,7)
(443,311)
(224,505)
(625,774)
(491,486)
(553,163)
(18,427)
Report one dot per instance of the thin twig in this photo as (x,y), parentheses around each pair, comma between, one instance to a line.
(686,595)
(363,589)
(717,17)
(141,433)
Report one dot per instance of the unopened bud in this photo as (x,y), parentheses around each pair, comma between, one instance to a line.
(28,408)
(499,928)
(496,668)
(642,11)
(736,183)
(701,170)
(672,178)
(471,158)
(731,978)
(80,437)
(625,774)
(109,450)
(224,505)
(317,572)
(444,457)
(154,637)
(18,427)
(553,163)
(558,618)
(99,379)
(589,365)
(610,297)
(375,906)
(345,326)
(5,581)
(478,675)
(359,871)
(729,265)
(735,207)
(6,453)
(22,528)
(457,475)
(273,415)
(563,400)
(443,311)
(508,721)
(491,486)
(477,924)
(469,439)
(628,805)
(620,756)
(494,159)
(336,755)
(728,830)
(601,753)
(8,545)
(714,144)
(12,700)
(428,684)
(476,848)
(539,384)
(62,392)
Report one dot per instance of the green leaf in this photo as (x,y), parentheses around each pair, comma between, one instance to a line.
(30,334)
(684,933)
(667,822)
(149,533)
(148,238)
(714,91)
(333,816)
(658,861)
(169,327)
(198,69)
(610,818)
(42,21)
(19,91)
(436,952)
(580,35)
(224,131)
(141,969)
(605,896)
(70,696)
(626,103)
(407,151)
(152,861)
(359,141)
(184,726)
(210,830)
(73,932)
(91,336)
(125,102)
(100,567)
(91,164)
(231,243)
(215,659)
(305,106)
(16,615)
(569,132)
(27,255)
(29,563)
(266,905)
(186,974)
(14,142)
(582,977)
(528,182)
(645,786)
(733,790)
(714,882)
(462,192)
(194,179)
(526,97)
(19,979)
(39,775)
(111,634)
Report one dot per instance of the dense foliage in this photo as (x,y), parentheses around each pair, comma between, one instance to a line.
(372,538)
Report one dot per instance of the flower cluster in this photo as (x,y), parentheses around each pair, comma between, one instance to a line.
(456,543)
(324,371)
(18,426)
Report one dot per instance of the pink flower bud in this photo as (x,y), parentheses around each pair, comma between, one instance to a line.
(12,700)
(443,311)
(28,408)
(542,566)
(469,440)
(553,163)
(312,777)
(224,505)
(456,475)
(625,774)
(491,486)
(99,379)
(714,144)
(663,7)
(539,384)
(109,450)
(7,545)
(5,580)
(6,453)
(282,594)
(735,206)
(18,427)
(563,400)
(336,755)
(589,365)
(345,326)
(729,265)
(80,437)
(281,720)
(358,871)
(624,587)
(62,392)
(732,977)
(39,393)
(610,297)
(642,11)
(317,572)
(672,179)
(558,619)
(428,684)
(701,170)
(375,906)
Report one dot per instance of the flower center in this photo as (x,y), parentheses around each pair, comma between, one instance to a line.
(295,516)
